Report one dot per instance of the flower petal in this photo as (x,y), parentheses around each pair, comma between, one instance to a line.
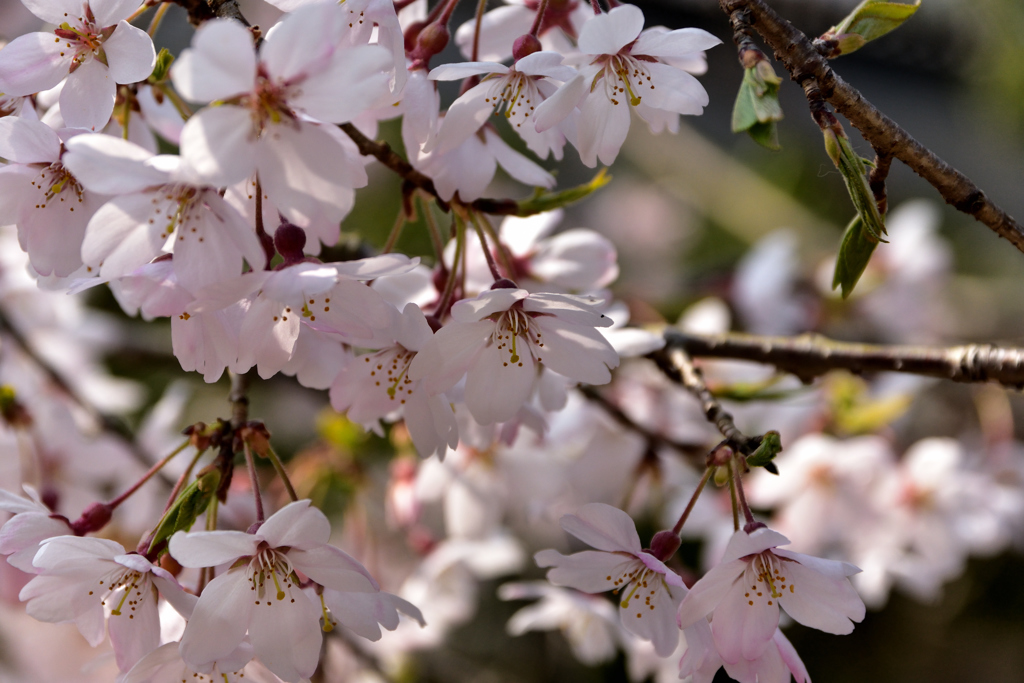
(110,12)
(464,117)
(220,618)
(286,636)
(603,527)
(486,303)
(24,141)
(705,595)
(298,525)
(497,388)
(590,571)
(650,614)
(333,568)
(673,44)
(515,164)
(603,126)
(32,63)
(220,64)
(211,548)
(606,34)
(130,54)
(823,602)
(743,544)
(579,352)
(445,358)
(218,144)
(743,630)
(87,98)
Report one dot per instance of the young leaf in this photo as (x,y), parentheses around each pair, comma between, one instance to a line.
(854,253)
(191,503)
(757,105)
(871,19)
(770,446)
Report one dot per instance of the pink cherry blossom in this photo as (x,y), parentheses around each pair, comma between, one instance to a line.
(754,579)
(93,47)
(650,591)
(502,25)
(498,339)
(31,524)
(261,594)
(622,68)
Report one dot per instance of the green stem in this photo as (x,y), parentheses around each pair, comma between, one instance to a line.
(281,472)
(152,470)
(693,501)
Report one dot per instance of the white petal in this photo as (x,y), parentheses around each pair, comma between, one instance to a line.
(302,43)
(211,548)
(333,568)
(220,64)
(24,141)
(55,11)
(87,99)
(110,165)
(545,63)
(464,117)
(603,527)
(498,31)
(709,591)
(825,603)
(296,524)
(579,310)
(674,90)
(354,82)
(449,353)
(743,630)
(136,631)
(460,70)
(608,33)
(650,614)
(743,544)
(220,619)
(218,143)
(486,303)
(286,636)
(590,571)
(602,128)
(130,54)
(517,165)
(110,12)
(32,63)
(576,351)
(673,44)
(496,386)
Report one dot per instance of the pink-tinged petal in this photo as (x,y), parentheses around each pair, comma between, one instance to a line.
(212,239)
(709,591)
(62,553)
(302,170)
(464,117)
(218,143)
(374,267)
(184,603)
(603,527)
(486,303)
(33,62)
(674,90)
(110,165)
(700,658)
(135,632)
(744,630)
(21,535)
(120,237)
(302,43)
(668,575)
(497,387)
(110,12)
(58,599)
(297,525)
(743,544)
(577,259)
(16,505)
(573,308)
(833,569)
(333,568)
(791,658)
(603,126)
(365,613)
(220,64)
(87,98)
(211,548)
(219,620)
(460,70)
(431,423)
(56,11)
(158,666)
(768,668)
(354,81)
(498,30)
(545,63)
(412,330)
(24,141)
(358,314)
(268,336)
(580,353)
(558,106)
(606,34)
(130,54)
(590,571)
(650,613)
(515,164)
(673,44)
(447,356)
(286,636)
(825,603)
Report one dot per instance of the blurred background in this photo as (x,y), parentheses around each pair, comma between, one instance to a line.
(706,213)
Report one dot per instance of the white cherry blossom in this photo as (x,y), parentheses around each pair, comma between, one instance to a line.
(754,579)
(498,340)
(623,68)
(500,27)
(93,47)
(31,524)
(261,594)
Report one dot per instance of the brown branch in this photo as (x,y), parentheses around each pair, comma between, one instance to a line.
(654,440)
(876,180)
(811,355)
(797,53)
(384,154)
(678,366)
(204,10)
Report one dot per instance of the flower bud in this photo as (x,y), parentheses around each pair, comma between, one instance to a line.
(93,519)
(430,41)
(525,45)
(665,544)
(504,283)
(289,240)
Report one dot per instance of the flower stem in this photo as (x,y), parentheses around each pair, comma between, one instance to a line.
(449,285)
(735,503)
(145,477)
(747,514)
(432,230)
(504,255)
(495,273)
(597,7)
(254,480)
(396,231)
(539,19)
(481,7)
(154,24)
(183,109)
(139,12)
(693,501)
(281,472)
(180,484)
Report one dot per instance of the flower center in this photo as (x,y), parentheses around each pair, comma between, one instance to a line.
(769,579)
(624,75)
(133,586)
(84,38)
(271,568)
(391,367)
(511,325)
(517,93)
(268,102)
(56,182)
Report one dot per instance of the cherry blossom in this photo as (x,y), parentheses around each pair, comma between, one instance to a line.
(263,124)
(622,66)
(813,591)
(502,25)
(377,385)
(650,590)
(43,197)
(520,90)
(31,524)
(261,594)
(93,46)
(498,340)
(78,577)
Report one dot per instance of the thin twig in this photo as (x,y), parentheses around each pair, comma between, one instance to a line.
(690,450)
(797,53)
(810,355)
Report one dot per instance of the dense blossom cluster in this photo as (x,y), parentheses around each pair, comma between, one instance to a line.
(476,358)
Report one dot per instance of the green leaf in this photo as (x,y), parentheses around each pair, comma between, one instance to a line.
(766,135)
(757,105)
(851,167)
(549,201)
(191,503)
(743,113)
(163,65)
(770,446)
(871,19)
(854,253)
